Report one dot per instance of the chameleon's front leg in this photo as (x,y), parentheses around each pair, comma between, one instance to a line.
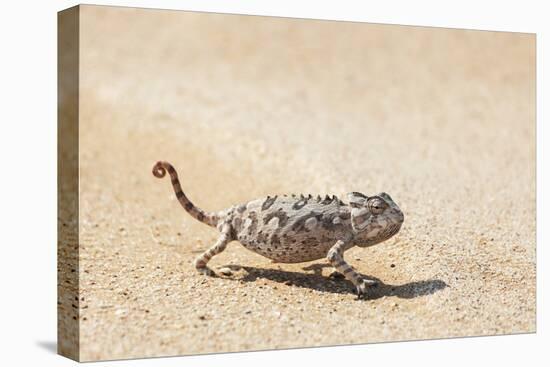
(335,257)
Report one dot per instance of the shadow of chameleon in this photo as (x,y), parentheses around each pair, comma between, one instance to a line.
(321,283)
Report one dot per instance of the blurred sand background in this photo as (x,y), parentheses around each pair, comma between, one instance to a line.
(244,106)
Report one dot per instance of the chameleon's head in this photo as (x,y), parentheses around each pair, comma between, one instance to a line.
(374,219)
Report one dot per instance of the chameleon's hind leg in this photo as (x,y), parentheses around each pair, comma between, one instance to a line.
(219,246)
(336,259)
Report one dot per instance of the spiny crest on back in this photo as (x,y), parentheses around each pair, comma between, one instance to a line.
(302,200)
(327,200)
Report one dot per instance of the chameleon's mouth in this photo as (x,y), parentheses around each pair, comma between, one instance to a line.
(390,230)
(394,228)
(386,233)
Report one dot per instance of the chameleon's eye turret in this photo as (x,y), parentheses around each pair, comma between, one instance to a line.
(376,205)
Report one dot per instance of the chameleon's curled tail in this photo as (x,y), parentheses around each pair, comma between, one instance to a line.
(159,170)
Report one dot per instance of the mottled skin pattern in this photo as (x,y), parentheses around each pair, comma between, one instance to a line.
(294,229)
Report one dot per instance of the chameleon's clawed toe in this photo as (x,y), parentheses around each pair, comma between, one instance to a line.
(207,271)
(361,290)
(362,287)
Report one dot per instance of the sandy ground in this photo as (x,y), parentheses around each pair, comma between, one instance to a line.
(443,120)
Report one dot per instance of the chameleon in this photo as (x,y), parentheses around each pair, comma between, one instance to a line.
(298,228)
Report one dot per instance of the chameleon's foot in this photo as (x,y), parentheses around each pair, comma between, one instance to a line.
(201,266)
(336,275)
(362,287)
(207,271)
